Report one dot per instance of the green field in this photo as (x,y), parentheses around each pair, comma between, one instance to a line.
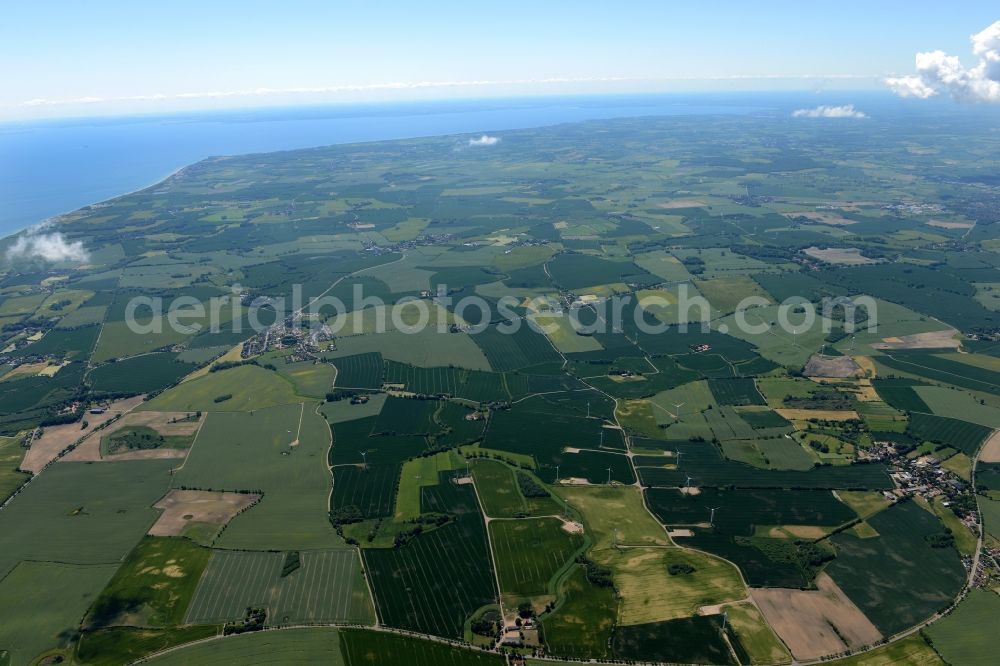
(735,391)
(419,473)
(369,509)
(958,405)
(913,651)
(893,593)
(360,647)
(343,410)
(426,349)
(361,371)
(966,635)
(472,385)
(236,579)
(41,604)
(581,625)
(279,451)
(435,581)
(309,379)
(118,645)
(738,511)
(299,647)
(369,489)
(649,593)
(250,387)
(690,640)
(94,514)
(498,490)
(141,374)
(757,638)
(614,515)
(11,455)
(154,585)
(530,552)
(962,435)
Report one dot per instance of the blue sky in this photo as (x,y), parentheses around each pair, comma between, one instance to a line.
(73,58)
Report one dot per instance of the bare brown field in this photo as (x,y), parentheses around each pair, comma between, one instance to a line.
(826,414)
(991,449)
(815,623)
(183,507)
(55,439)
(931,340)
(839,367)
(941,224)
(89,450)
(796,532)
(26,370)
(861,387)
(149,454)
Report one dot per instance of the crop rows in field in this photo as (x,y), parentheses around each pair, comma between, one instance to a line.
(363,371)
(513,351)
(897,592)
(705,464)
(899,394)
(326,588)
(469,384)
(530,552)
(961,435)
(946,371)
(369,488)
(553,439)
(739,511)
(407,416)
(434,582)
(736,391)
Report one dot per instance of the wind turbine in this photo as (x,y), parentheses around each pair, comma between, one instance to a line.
(725,618)
(609,476)
(711,519)
(602,437)
(687,482)
(364,459)
(677,456)
(677,406)
(557,473)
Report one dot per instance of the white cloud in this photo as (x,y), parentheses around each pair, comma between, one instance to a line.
(52,246)
(485,140)
(938,72)
(846,111)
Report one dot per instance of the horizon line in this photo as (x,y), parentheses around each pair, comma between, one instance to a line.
(355,93)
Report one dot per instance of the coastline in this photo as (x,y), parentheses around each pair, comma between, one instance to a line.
(91,157)
(57,218)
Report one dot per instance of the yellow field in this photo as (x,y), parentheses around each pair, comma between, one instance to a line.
(825,414)
(650,594)
(608,509)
